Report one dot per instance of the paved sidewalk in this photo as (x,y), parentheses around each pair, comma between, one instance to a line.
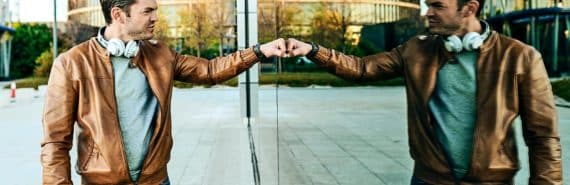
(326,136)
(358,136)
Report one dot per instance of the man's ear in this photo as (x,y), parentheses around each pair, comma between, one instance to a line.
(471,8)
(116,15)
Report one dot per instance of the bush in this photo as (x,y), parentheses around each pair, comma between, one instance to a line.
(29,41)
(231,82)
(561,88)
(320,78)
(30,82)
(44,63)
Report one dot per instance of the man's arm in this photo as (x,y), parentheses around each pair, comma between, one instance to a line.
(539,120)
(381,66)
(58,119)
(198,70)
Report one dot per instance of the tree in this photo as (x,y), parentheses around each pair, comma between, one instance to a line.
(196,27)
(220,18)
(30,40)
(161,29)
(278,20)
(330,24)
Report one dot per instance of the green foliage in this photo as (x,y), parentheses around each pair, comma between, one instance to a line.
(368,48)
(29,41)
(30,82)
(319,78)
(44,63)
(302,80)
(231,82)
(561,88)
(29,46)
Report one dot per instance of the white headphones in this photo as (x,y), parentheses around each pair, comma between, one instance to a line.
(116,47)
(471,41)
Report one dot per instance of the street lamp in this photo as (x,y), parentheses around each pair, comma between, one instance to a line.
(54,29)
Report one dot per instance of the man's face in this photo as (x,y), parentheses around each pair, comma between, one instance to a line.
(143,16)
(443,16)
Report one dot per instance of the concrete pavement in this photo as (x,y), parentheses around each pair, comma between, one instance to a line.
(320,136)
(358,136)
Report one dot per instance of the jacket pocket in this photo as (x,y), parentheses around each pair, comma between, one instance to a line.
(508,156)
(94,162)
(83,156)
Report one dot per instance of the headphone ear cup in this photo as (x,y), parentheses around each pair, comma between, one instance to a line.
(131,49)
(115,47)
(472,41)
(453,44)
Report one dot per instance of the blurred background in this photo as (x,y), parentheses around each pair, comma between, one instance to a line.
(285,121)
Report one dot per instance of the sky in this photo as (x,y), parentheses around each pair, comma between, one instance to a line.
(423,7)
(37,10)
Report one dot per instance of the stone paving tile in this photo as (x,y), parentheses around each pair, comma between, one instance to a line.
(326,136)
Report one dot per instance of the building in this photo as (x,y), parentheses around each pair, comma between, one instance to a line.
(497,7)
(544,24)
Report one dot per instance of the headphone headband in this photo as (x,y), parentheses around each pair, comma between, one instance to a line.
(470,41)
(117,47)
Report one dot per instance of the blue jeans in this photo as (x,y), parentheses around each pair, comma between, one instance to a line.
(164,182)
(416,181)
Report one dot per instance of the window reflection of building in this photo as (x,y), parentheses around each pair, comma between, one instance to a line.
(359,13)
(544,24)
(495,7)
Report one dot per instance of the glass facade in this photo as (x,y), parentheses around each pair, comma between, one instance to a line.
(315,134)
(541,23)
(356,14)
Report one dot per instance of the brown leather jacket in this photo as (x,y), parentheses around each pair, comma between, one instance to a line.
(81,89)
(511,81)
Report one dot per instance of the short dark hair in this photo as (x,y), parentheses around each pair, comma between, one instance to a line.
(107,5)
(461,3)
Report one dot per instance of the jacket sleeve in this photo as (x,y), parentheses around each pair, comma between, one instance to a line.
(201,71)
(58,119)
(381,66)
(539,120)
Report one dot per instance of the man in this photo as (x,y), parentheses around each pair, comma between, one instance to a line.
(118,88)
(465,86)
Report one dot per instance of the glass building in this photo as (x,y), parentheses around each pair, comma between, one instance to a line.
(355,13)
(317,134)
(544,24)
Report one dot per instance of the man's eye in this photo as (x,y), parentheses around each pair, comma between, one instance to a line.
(437,7)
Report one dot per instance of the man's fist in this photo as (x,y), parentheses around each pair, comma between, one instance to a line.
(297,48)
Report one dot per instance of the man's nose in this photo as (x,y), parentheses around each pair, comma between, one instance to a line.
(154,16)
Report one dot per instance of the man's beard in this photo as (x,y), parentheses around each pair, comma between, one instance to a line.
(444,30)
(140,35)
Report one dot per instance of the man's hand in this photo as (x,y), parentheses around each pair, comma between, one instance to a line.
(274,48)
(297,48)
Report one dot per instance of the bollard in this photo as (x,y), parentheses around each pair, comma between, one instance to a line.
(13,92)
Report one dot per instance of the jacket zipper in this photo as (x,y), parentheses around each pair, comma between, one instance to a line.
(428,115)
(123,152)
(140,67)
(475,132)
